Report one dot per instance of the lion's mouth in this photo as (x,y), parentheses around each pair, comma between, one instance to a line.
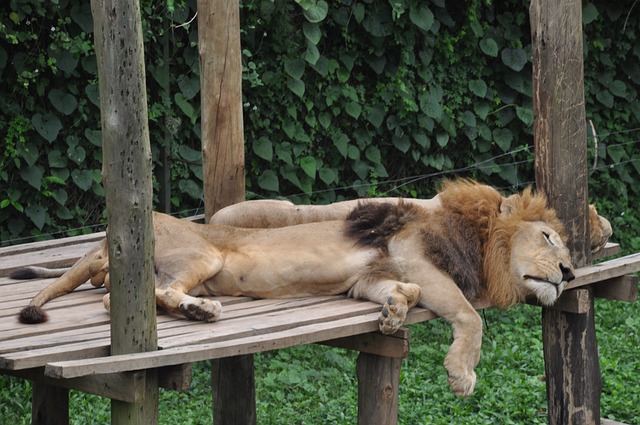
(540,279)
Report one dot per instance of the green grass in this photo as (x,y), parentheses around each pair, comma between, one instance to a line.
(317,385)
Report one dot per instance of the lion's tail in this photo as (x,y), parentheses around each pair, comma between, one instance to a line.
(70,280)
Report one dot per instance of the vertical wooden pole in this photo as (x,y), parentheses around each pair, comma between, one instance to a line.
(378,384)
(232,379)
(127,180)
(221,97)
(570,348)
(49,404)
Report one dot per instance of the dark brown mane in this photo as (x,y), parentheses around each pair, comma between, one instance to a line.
(372,224)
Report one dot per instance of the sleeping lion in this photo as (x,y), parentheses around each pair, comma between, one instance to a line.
(466,244)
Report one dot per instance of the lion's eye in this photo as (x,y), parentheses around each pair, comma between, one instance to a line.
(548,238)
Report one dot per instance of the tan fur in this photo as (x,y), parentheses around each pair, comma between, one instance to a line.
(420,254)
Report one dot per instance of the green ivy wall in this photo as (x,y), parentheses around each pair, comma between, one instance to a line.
(341,99)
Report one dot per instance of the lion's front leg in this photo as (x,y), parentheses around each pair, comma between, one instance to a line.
(442,296)
(396,297)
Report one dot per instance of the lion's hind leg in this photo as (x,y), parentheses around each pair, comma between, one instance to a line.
(396,297)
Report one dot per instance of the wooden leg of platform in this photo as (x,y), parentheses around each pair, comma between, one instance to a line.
(49,404)
(234,391)
(378,382)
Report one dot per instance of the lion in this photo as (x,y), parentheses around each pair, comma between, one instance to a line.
(470,243)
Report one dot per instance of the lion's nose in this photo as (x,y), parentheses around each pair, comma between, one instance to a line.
(567,274)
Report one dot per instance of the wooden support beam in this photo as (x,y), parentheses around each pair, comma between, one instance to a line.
(624,288)
(396,345)
(378,384)
(49,404)
(574,383)
(223,169)
(127,178)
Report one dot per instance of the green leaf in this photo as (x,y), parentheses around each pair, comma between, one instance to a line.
(296,86)
(294,68)
(185,107)
(606,98)
(325,119)
(317,12)
(33,175)
(515,59)
(358,12)
(308,165)
(94,136)
(482,110)
(489,47)
(618,88)
(60,195)
(312,54)
(422,140)
(56,160)
(312,32)
(37,214)
(65,60)
(469,119)
(263,148)
(373,154)
(442,139)
(341,142)
(77,154)
(82,178)
(478,87)
(189,87)
(268,180)
(191,188)
(503,138)
(589,13)
(48,125)
(190,155)
(353,109)
(5,203)
(616,153)
(63,102)
(401,143)
(328,175)
(422,17)
(376,115)
(525,114)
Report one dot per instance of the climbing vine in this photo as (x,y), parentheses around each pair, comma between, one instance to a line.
(341,99)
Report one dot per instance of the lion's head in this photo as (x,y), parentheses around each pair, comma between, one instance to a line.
(523,243)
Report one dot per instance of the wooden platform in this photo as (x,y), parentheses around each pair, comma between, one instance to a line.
(72,350)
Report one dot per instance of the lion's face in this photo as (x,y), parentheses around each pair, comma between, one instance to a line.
(540,262)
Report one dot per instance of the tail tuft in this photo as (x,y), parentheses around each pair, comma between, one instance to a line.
(32,314)
(23,273)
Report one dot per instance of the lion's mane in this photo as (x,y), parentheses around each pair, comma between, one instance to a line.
(468,237)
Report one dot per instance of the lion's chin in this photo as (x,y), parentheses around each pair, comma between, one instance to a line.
(547,293)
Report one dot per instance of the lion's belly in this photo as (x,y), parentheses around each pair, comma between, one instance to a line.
(263,273)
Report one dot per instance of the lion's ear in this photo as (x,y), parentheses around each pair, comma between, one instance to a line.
(508,205)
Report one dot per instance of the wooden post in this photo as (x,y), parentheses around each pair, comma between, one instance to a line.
(570,348)
(127,179)
(378,383)
(49,404)
(221,97)
(232,379)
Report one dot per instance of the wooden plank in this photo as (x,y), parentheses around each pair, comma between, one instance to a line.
(606,270)
(55,257)
(623,288)
(121,386)
(312,333)
(50,244)
(395,346)
(604,421)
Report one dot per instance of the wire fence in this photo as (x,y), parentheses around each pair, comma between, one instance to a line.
(396,184)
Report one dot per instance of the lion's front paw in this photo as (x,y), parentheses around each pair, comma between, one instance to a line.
(201,309)
(392,316)
(462,384)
